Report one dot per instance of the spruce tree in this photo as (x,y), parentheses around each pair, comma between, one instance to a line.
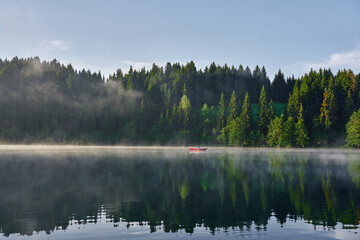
(175,118)
(263,117)
(353,130)
(288,130)
(271,113)
(232,108)
(300,130)
(230,124)
(205,120)
(220,127)
(234,132)
(245,122)
(275,131)
(328,109)
(279,88)
(221,114)
(294,102)
(349,107)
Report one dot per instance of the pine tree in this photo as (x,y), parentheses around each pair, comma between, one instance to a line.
(353,130)
(294,102)
(304,99)
(245,122)
(279,88)
(328,109)
(129,84)
(275,132)
(221,114)
(300,130)
(141,119)
(232,108)
(175,118)
(234,132)
(263,118)
(271,110)
(349,107)
(288,130)
(205,123)
(230,123)
(221,136)
(220,127)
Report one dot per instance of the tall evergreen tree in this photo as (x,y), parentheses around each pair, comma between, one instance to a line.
(279,88)
(234,132)
(300,130)
(294,103)
(220,127)
(263,117)
(275,132)
(328,109)
(232,108)
(231,120)
(206,123)
(245,121)
(353,130)
(288,132)
(349,107)
(271,113)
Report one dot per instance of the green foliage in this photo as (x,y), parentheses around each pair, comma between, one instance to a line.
(220,127)
(245,122)
(275,132)
(300,130)
(353,130)
(287,137)
(280,93)
(175,104)
(232,128)
(349,107)
(234,132)
(185,107)
(328,109)
(232,108)
(221,136)
(207,121)
(221,114)
(294,103)
(265,115)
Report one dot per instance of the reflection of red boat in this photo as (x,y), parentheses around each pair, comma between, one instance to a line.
(197,149)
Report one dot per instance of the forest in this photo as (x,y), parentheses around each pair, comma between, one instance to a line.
(49,102)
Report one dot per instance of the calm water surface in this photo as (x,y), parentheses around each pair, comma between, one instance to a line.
(168,193)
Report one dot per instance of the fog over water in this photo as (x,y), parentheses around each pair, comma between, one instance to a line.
(100,192)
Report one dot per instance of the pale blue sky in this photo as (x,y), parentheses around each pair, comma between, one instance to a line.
(106,35)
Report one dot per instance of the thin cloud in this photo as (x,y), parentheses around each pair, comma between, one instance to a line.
(349,59)
(54,44)
(336,61)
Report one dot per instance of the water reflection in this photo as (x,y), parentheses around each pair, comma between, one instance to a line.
(174,190)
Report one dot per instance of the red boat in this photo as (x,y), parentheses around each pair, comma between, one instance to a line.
(197,149)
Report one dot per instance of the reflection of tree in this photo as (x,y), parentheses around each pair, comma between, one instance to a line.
(177,191)
(354,171)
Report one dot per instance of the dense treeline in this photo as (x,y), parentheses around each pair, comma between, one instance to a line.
(176,104)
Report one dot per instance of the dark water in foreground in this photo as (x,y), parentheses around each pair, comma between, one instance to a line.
(100,193)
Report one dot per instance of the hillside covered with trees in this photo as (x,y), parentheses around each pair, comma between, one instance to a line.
(48,102)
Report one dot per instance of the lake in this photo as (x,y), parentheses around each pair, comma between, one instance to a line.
(168,193)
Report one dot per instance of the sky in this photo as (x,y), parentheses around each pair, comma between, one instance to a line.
(105,35)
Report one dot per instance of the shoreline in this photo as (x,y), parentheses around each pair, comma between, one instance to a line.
(125,147)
